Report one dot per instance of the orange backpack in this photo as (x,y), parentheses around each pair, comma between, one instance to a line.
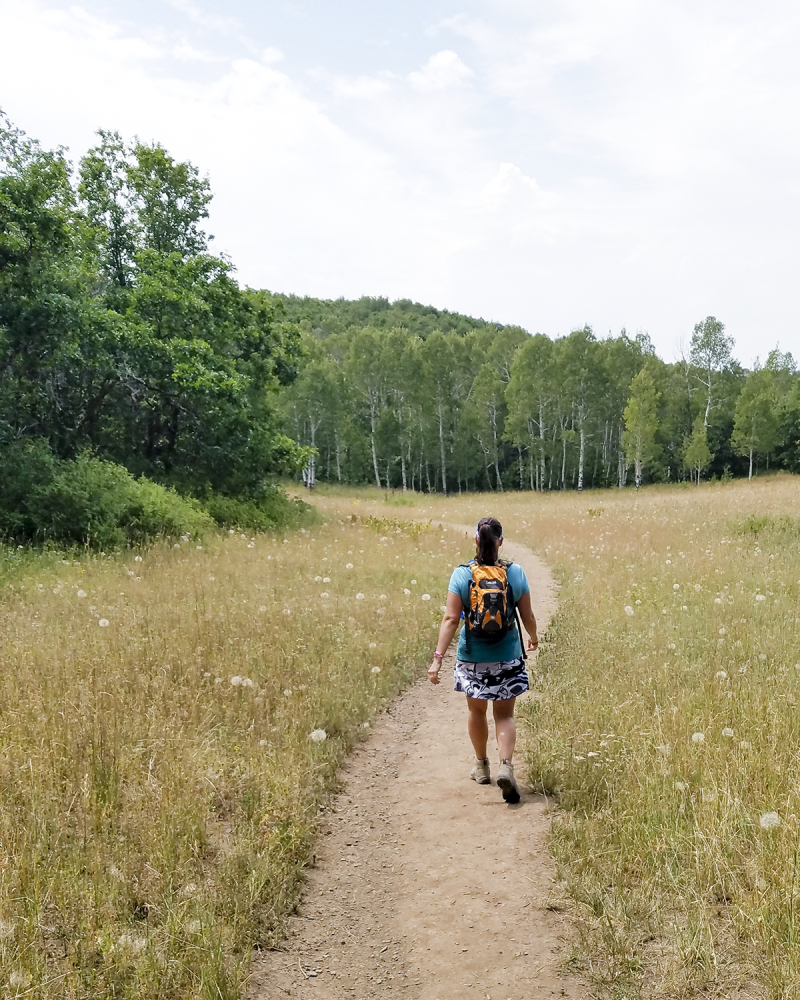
(491,613)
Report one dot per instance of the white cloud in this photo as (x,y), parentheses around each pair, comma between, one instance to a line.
(442,71)
(227,25)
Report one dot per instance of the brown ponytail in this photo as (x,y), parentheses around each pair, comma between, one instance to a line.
(488,537)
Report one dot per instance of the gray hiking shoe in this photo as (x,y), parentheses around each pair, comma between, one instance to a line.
(480,772)
(506,782)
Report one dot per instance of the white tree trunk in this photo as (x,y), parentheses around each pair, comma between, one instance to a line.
(750,476)
(441,451)
(580,460)
(372,441)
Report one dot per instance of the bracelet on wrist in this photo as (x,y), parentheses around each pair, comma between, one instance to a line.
(438,656)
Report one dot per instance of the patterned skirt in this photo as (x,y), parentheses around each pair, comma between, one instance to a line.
(491,681)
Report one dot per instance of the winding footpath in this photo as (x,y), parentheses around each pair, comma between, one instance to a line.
(426,885)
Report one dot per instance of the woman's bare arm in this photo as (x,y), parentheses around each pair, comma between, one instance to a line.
(528,620)
(452,616)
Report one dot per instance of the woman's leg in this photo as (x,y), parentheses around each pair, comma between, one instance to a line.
(505,728)
(477,726)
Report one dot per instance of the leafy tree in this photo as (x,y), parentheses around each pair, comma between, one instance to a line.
(641,422)
(755,430)
(697,455)
(711,355)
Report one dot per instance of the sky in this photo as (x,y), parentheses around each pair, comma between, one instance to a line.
(627,163)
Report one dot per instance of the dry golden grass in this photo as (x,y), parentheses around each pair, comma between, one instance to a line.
(668,726)
(159,784)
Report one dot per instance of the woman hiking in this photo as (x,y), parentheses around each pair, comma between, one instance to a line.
(490,664)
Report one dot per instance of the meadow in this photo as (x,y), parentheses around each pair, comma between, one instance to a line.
(172,722)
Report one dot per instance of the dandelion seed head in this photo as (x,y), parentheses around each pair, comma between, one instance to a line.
(676,586)
(382,597)
(317,579)
(670,645)
(760,597)
(426,597)
(349,566)
(721,675)
(762,657)
(324,594)
(318,735)
(697,587)
(698,738)
(376,670)
(628,609)
(193,927)
(82,593)
(717,600)
(287,692)
(727,731)
(6,928)
(406,591)
(413,583)
(769,820)
(679,786)
(17,979)
(326,579)
(373,645)
(744,745)
(104,623)
(359,597)
(137,558)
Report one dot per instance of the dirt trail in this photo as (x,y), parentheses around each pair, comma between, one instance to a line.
(427,885)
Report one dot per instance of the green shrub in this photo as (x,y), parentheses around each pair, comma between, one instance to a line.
(88,502)
(25,468)
(272,510)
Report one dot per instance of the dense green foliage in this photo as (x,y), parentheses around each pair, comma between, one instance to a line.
(123,338)
(441,402)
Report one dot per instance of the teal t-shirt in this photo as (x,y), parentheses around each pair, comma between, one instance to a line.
(480,651)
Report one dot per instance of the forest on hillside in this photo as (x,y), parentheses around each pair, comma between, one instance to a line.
(142,388)
(404,396)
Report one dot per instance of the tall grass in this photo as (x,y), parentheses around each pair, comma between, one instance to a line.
(170,726)
(667,726)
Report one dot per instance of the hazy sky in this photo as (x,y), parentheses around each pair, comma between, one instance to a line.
(621,163)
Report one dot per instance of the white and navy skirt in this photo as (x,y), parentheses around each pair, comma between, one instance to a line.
(491,681)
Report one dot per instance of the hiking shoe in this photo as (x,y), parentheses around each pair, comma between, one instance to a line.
(506,782)
(480,772)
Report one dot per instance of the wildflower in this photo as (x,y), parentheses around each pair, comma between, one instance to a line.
(324,594)
(684,607)
(628,609)
(769,821)
(426,597)
(132,942)
(198,547)
(637,601)
(263,743)
(318,735)
(373,645)
(670,645)
(177,545)
(697,587)
(721,675)
(717,600)
(262,607)
(349,566)
(744,745)
(326,579)
(679,786)
(760,597)
(698,738)
(413,583)
(365,725)
(317,579)
(406,591)
(669,562)
(287,611)
(359,597)
(236,681)
(137,558)
(82,593)
(376,670)
(103,623)
(727,731)
(676,586)
(231,531)
(382,597)
(287,692)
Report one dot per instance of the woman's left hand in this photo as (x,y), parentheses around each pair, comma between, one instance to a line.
(433,672)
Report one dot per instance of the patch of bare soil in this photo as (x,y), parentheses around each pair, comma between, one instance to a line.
(427,885)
